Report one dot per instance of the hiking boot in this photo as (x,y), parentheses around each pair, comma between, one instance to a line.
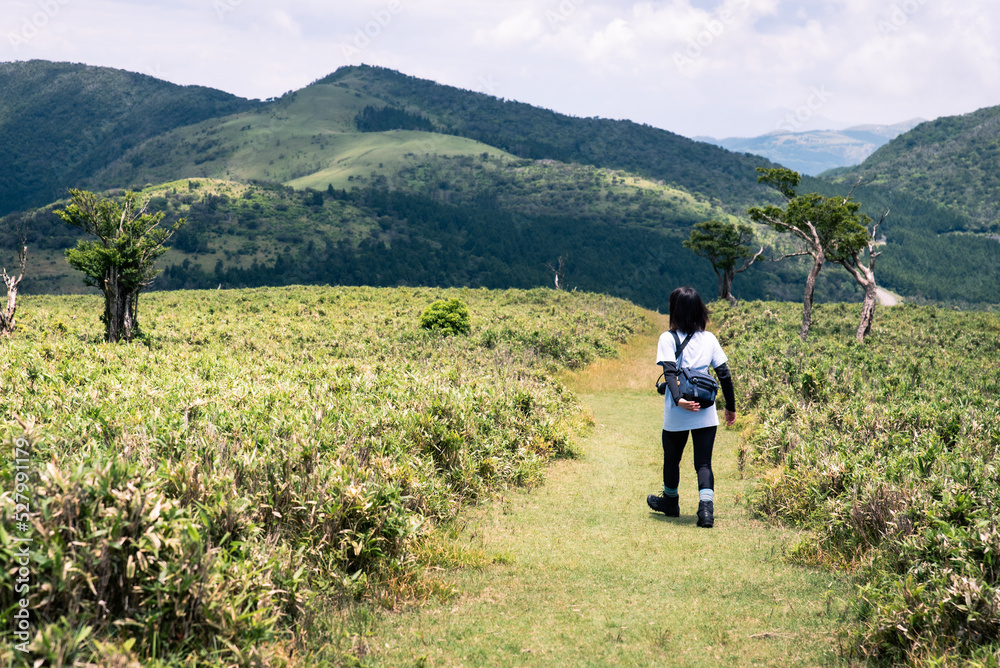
(661,503)
(706,517)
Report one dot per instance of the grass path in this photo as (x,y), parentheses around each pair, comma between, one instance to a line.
(583,574)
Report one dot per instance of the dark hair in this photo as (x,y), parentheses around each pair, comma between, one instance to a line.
(688,312)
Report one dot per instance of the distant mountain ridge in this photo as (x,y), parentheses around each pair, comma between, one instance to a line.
(370,176)
(817,151)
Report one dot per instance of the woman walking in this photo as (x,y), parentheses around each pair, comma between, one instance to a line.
(688,319)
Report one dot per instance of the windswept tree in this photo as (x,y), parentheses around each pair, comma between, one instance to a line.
(853,258)
(825,227)
(120,262)
(726,246)
(7,322)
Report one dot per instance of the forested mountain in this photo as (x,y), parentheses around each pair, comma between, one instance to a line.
(370,176)
(954,161)
(340,121)
(61,122)
(930,251)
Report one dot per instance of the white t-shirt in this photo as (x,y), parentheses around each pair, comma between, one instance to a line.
(701,352)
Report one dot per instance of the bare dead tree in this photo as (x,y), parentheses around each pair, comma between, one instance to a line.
(560,272)
(7,322)
(864,274)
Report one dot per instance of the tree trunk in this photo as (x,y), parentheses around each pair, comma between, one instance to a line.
(726,286)
(807,300)
(120,311)
(865,277)
(7,322)
(130,322)
(868,307)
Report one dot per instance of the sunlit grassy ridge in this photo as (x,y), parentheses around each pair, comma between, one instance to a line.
(311,131)
(260,455)
(889,452)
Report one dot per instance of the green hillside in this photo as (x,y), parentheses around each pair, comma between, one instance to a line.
(532,132)
(61,122)
(352,176)
(620,235)
(316,130)
(953,161)
(309,131)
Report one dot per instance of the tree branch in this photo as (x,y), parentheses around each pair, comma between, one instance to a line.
(860,182)
(750,261)
(788,255)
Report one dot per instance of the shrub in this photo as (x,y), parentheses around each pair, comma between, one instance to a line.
(890,455)
(448,317)
(196,500)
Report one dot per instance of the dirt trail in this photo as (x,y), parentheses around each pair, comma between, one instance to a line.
(585,575)
(886,298)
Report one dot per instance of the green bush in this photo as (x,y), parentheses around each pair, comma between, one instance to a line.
(889,452)
(448,317)
(264,455)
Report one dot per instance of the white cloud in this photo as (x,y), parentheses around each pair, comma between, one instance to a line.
(514,31)
(882,62)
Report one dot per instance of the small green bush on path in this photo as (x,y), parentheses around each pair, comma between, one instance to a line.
(447,316)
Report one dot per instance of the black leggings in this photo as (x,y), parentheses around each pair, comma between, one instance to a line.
(673,448)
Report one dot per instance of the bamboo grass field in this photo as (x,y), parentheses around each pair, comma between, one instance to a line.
(207,492)
(305,476)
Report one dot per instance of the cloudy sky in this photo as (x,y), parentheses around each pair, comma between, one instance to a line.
(695,67)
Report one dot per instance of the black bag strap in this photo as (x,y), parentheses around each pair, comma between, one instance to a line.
(679,347)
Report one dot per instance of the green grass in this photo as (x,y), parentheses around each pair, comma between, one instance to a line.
(359,158)
(887,452)
(309,139)
(580,572)
(261,456)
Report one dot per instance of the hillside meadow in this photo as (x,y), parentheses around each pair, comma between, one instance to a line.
(886,453)
(261,458)
(220,491)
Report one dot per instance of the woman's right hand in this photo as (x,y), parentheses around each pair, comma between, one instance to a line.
(692,406)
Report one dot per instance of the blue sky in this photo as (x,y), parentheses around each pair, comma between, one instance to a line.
(695,67)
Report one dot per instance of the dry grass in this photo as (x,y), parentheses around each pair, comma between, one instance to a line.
(634,370)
